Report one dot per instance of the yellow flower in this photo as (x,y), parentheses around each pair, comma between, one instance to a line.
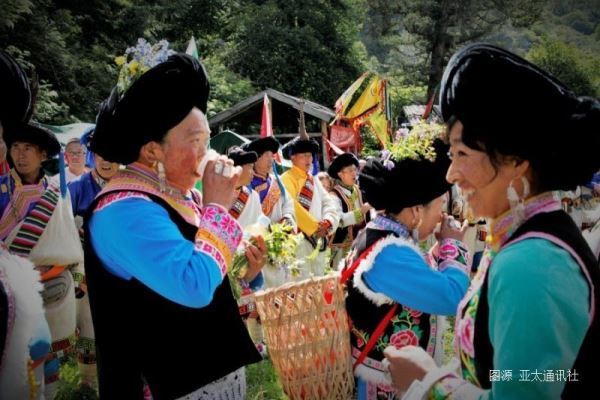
(133,67)
(120,60)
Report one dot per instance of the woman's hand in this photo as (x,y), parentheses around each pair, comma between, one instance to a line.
(450,228)
(407,364)
(218,182)
(256,254)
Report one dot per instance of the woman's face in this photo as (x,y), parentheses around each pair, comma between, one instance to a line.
(481,185)
(431,215)
(183,148)
(105,169)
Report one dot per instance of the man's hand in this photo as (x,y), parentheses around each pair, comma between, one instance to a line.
(257,257)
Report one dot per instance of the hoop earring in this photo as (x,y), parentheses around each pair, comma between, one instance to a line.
(415,231)
(162,177)
(516,202)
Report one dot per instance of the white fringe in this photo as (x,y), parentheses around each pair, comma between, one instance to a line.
(366,264)
(25,285)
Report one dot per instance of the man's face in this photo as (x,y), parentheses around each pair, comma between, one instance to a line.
(75,155)
(263,165)
(27,158)
(302,161)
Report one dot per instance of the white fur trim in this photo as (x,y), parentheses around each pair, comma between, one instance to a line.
(366,264)
(25,285)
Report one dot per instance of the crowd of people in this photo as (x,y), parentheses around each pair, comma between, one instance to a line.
(139,289)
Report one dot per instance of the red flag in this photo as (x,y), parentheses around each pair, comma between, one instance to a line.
(336,149)
(429,106)
(266,128)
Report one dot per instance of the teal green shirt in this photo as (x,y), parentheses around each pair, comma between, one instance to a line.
(539,314)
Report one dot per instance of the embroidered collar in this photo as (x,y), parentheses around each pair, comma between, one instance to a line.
(138,177)
(504,226)
(386,223)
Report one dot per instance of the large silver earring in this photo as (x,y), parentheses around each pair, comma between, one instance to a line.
(516,202)
(162,177)
(415,231)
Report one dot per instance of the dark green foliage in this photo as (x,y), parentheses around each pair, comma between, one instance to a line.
(301,47)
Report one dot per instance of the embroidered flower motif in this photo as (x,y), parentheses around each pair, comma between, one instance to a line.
(448,251)
(404,338)
(209,213)
(229,225)
(465,335)
(413,313)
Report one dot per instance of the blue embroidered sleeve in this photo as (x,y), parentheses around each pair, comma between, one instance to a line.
(156,254)
(400,273)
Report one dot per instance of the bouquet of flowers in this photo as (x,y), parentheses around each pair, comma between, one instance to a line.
(281,245)
(139,59)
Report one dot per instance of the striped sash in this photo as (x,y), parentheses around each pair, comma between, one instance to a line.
(306,193)
(240,202)
(20,202)
(36,221)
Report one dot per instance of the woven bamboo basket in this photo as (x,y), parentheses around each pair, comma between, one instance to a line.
(306,329)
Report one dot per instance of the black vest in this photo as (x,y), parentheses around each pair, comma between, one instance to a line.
(365,315)
(140,333)
(560,225)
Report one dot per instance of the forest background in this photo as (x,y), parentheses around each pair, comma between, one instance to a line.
(307,48)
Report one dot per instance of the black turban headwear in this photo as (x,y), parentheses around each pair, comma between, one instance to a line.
(406,183)
(297,145)
(241,157)
(15,95)
(156,102)
(340,162)
(34,134)
(262,145)
(509,106)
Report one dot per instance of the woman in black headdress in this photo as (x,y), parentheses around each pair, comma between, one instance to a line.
(528,327)
(395,292)
(156,254)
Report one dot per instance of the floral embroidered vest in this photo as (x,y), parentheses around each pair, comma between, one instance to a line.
(544,218)
(407,327)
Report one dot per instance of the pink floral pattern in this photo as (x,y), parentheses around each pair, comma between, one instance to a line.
(217,220)
(465,337)
(403,338)
(453,253)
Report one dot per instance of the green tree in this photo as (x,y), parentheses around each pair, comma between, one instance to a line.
(571,66)
(422,34)
(301,47)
